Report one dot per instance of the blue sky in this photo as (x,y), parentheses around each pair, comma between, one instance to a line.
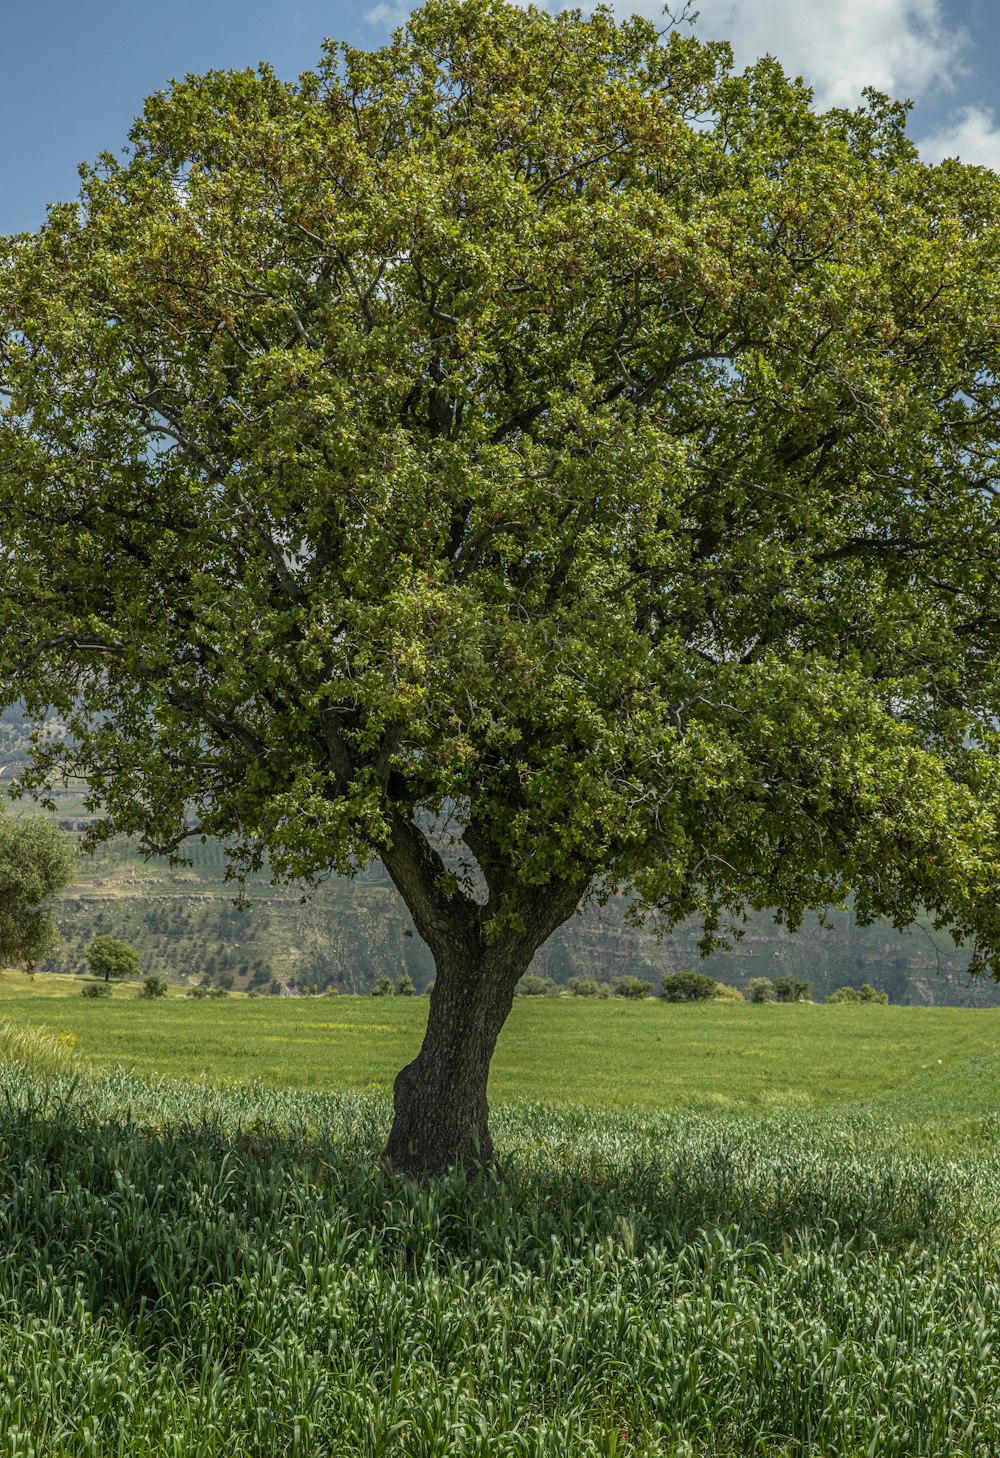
(73,75)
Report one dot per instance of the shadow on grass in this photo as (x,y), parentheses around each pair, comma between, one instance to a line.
(137,1199)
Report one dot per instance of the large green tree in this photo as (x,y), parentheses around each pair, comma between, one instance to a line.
(36,862)
(535,426)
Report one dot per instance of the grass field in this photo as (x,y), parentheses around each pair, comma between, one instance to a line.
(724,1231)
(617,1055)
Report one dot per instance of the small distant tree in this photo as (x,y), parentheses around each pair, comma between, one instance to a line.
(582,986)
(109,957)
(95,989)
(790,989)
(36,861)
(634,987)
(725,993)
(847,993)
(382,988)
(153,986)
(760,989)
(867,993)
(405,986)
(688,987)
(531,985)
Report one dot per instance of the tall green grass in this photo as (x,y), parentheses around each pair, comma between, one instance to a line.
(186,1271)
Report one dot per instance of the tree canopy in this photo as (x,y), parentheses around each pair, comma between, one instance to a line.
(531,423)
(109,957)
(36,861)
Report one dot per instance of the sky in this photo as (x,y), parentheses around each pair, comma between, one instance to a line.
(73,75)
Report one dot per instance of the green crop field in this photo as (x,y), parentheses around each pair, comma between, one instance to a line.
(723,1231)
(617,1054)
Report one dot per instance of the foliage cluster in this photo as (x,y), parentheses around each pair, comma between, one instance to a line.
(404,986)
(689,987)
(781,989)
(109,957)
(864,993)
(532,985)
(631,987)
(760,989)
(36,861)
(790,989)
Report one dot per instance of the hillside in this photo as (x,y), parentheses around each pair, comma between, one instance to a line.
(184,923)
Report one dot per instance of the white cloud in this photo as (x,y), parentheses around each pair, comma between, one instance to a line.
(971,134)
(389,16)
(903,47)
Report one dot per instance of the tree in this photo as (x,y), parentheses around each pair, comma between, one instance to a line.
(689,987)
(109,957)
(534,986)
(790,989)
(634,987)
(530,427)
(760,989)
(36,862)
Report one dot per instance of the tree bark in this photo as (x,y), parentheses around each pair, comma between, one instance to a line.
(441,1113)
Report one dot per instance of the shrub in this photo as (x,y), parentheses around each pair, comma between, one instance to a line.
(583,986)
(604,989)
(95,989)
(724,992)
(845,994)
(633,987)
(153,986)
(760,989)
(382,988)
(531,985)
(790,989)
(405,986)
(867,993)
(200,991)
(429,989)
(688,987)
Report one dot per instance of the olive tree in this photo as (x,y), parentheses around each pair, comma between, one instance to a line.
(535,426)
(36,862)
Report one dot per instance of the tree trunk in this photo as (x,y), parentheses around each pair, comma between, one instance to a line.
(441,1114)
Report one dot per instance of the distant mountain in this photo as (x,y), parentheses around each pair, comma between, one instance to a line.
(183,922)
